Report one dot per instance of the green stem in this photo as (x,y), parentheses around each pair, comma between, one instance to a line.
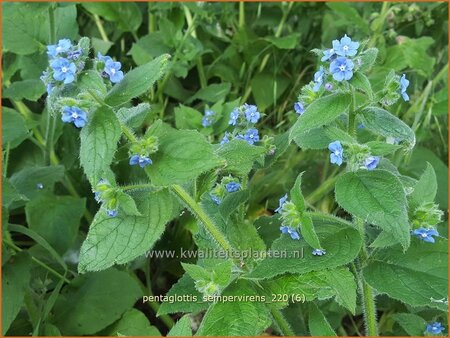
(281,322)
(100,28)
(203,217)
(139,187)
(128,133)
(241,14)
(51,15)
(352,115)
(6,160)
(322,190)
(37,261)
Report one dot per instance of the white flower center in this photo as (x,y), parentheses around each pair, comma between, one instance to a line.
(58,49)
(319,79)
(342,68)
(113,71)
(64,69)
(424,235)
(331,51)
(345,48)
(337,152)
(74,115)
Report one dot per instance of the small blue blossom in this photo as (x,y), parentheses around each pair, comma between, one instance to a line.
(371,162)
(328,86)
(251,113)
(215,199)
(336,152)
(360,126)
(251,136)
(234,117)
(103,58)
(142,161)
(342,69)
(75,115)
(288,230)
(345,47)
(318,252)
(232,186)
(404,83)
(62,46)
(328,54)
(299,108)
(40,186)
(435,328)
(318,79)
(281,203)
(225,139)
(64,70)
(425,234)
(74,55)
(112,68)
(207,119)
(97,197)
(112,213)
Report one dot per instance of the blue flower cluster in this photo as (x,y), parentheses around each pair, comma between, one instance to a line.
(286,229)
(209,118)
(105,194)
(243,118)
(435,328)
(337,156)
(109,68)
(66,61)
(141,150)
(227,185)
(425,234)
(341,65)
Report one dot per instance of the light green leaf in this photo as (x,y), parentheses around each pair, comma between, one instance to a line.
(14,130)
(236,318)
(132,323)
(340,239)
(413,325)
(362,83)
(417,277)
(126,15)
(118,240)
(138,81)
(212,93)
(285,42)
(182,156)
(31,90)
(383,123)
(95,301)
(425,189)
(267,87)
(321,112)
(297,195)
(134,116)
(318,324)
(182,328)
(308,232)
(187,118)
(368,58)
(378,148)
(127,204)
(15,279)
(320,138)
(377,197)
(99,143)
(56,219)
(231,203)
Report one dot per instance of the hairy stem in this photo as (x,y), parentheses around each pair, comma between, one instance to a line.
(203,217)
(281,322)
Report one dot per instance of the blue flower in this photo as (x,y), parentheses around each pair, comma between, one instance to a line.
(251,113)
(74,115)
(345,47)
(404,83)
(288,230)
(62,46)
(435,328)
(74,55)
(299,108)
(232,186)
(425,234)
(342,69)
(318,79)
(281,203)
(64,70)
(141,160)
(328,54)
(328,86)
(112,213)
(215,199)
(371,162)
(234,117)
(97,197)
(336,152)
(318,252)
(225,139)
(103,58)
(207,120)
(251,136)
(112,68)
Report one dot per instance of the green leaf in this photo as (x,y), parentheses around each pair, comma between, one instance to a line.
(127,204)
(417,277)
(95,301)
(425,189)
(383,123)
(236,318)
(196,272)
(56,219)
(26,181)
(231,202)
(239,156)
(132,323)
(14,130)
(413,325)
(92,81)
(99,143)
(212,93)
(297,195)
(15,279)
(368,58)
(308,232)
(149,47)
(267,88)
(31,90)
(340,239)
(378,148)
(320,138)
(285,42)
(182,156)
(134,116)
(182,328)
(318,324)
(362,83)
(321,112)
(126,15)
(118,240)
(187,118)
(138,81)
(377,197)
(10,194)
